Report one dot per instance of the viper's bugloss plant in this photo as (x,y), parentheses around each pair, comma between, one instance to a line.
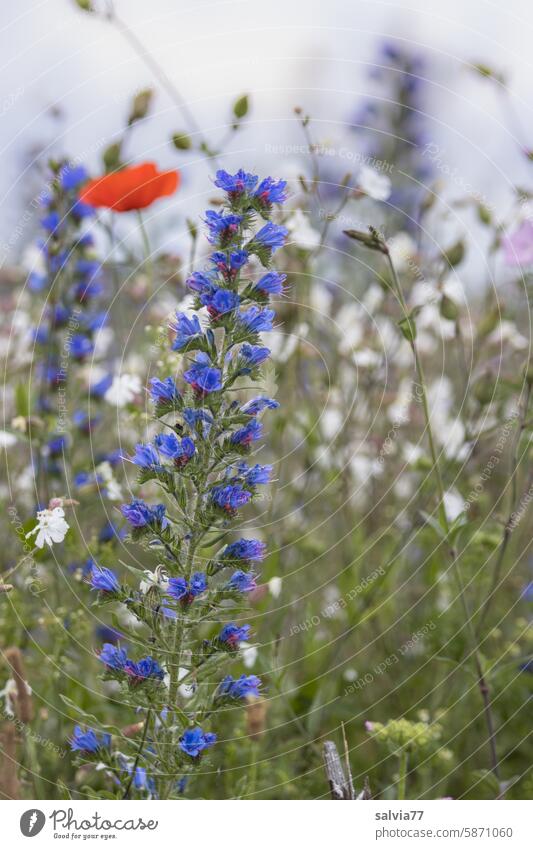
(69,280)
(190,607)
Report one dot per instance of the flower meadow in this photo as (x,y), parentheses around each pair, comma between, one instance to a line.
(267,493)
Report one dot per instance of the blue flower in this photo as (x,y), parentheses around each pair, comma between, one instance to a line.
(186,329)
(179,589)
(271,236)
(145,457)
(140,779)
(194,741)
(162,391)
(247,434)
(88,741)
(220,226)
(240,688)
(51,222)
(203,377)
(256,320)
(100,388)
(194,417)
(85,290)
(110,635)
(198,583)
(139,514)
(36,281)
(110,532)
(170,446)
(88,267)
(269,191)
(229,265)
(83,421)
(220,301)
(104,580)
(72,176)
(270,284)
(255,475)
(257,405)
(230,497)
(199,282)
(80,346)
(236,184)
(57,445)
(82,210)
(253,355)
(246,550)
(242,582)
(143,670)
(231,635)
(113,657)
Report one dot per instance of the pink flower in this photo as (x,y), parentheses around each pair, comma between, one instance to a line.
(518,246)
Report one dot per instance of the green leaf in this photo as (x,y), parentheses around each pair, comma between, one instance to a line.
(22,399)
(240,107)
(454,255)
(408,327)
(433,523)
(89,718)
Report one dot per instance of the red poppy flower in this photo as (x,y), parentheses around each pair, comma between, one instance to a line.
(131,188)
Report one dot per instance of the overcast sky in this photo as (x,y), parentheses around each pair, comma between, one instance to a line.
(67,78)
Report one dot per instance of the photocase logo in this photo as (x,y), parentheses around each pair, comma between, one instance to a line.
(32,822)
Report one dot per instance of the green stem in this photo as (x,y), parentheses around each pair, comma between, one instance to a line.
(507,530)
(148,263)
(482,684)
(402,774)
(138,755)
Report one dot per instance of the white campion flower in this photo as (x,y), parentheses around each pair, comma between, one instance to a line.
(454,504)
(373,184)
(402,251)
(112,486)
(51,527)
(301,233)
(274,586)
(249,655)
(123,390)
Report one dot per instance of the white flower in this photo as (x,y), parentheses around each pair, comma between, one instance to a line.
(376,186)
(249,654)
(366,358)
(507,333)
(7,439)
(154,579)
(112,486)
(454,505)
(51,527)
(123,389)
(274,586)
(185,690)
(301,233)
(402,250)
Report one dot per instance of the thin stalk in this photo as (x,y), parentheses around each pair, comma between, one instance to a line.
(138,755)
(160,74)
(507,530)
(402,774)
(483,687)
(148,262)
